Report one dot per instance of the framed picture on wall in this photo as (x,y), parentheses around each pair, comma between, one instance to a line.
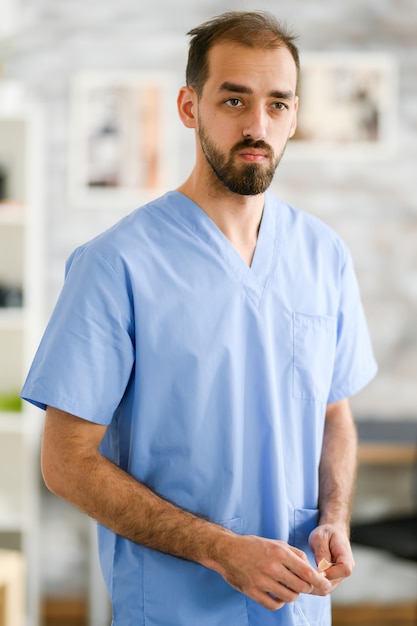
(347,106)
(122,136)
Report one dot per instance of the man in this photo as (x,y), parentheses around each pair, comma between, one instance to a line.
(197,367)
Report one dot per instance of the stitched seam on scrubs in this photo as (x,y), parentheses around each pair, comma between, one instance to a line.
(298,611)
(201,235)
(96,253)
(228,255)
(63,402)
(268,272)
(351,388)
(177,221)
(198,235)
(243,272)
(305,347)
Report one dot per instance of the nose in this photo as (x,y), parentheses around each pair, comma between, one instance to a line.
(255,124)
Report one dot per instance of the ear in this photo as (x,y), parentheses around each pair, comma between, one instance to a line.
(294,121)
(186,107)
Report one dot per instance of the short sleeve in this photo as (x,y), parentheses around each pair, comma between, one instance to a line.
(354,364)
(86,356)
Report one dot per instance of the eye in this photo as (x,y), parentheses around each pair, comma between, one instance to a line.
(234,103)
(280,106)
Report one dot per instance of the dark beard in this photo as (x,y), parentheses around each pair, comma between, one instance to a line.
(248,180)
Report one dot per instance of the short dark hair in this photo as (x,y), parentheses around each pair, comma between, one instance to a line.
(257,29)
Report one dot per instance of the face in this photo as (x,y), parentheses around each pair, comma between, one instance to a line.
(246,179)
(245,115)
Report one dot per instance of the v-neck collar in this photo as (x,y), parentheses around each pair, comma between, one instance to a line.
(254,278)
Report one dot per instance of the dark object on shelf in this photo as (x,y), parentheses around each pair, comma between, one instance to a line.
(11,297)
(3,184)
(393,432)
(396,535)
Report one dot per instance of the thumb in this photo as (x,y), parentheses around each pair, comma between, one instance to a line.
(319,545)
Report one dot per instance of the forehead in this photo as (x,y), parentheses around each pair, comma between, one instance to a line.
(228,61)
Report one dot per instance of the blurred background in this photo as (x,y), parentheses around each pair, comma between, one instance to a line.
(88,132)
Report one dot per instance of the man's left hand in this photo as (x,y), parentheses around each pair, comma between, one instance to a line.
(331,542)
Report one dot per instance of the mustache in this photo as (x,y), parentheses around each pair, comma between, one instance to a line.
(256,145)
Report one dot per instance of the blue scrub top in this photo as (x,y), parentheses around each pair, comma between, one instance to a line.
(213,379)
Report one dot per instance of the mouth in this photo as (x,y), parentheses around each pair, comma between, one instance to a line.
(253,156)
(254,151)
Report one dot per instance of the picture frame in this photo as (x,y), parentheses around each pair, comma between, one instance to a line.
(347,107)
(122,138)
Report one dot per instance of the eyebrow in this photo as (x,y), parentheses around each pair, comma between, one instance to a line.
(236,88)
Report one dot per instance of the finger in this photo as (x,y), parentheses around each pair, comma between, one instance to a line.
(308,576)
(296,566)
(299,553)
(295,583)
(267,600)
(319,592)
(282,593)
(279,591)
(289,586)
(320,584)
(338,570)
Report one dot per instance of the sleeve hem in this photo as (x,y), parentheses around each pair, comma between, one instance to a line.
(37,398)
(353,388)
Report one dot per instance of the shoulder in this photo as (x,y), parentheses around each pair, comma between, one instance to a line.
(306,231)
(132,236)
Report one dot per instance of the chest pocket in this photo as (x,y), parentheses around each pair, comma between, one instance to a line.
(314,341)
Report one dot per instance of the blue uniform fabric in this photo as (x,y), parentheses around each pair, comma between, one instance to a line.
(213,379)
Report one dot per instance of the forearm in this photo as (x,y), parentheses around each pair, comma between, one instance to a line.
(338,465)
(134,511)
(80,474)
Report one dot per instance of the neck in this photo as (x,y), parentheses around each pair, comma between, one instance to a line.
(238,217)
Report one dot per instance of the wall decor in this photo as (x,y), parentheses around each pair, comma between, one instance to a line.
(122,138)
(347,106)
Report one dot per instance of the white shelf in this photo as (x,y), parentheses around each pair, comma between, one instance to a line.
(11,214)
(12,516)
(11,422)
(12,318)
(11,523)
(20,267)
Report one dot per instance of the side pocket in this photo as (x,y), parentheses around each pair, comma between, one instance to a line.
(314,340)
(309,610)
(234,524)
(305,521)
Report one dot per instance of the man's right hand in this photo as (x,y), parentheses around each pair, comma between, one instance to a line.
(270,572)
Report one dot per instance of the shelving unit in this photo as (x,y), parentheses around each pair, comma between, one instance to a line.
(20,325)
